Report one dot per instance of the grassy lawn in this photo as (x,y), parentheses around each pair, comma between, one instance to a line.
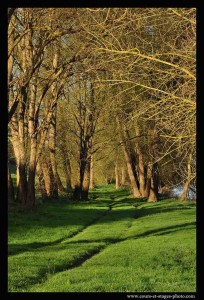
(112,243)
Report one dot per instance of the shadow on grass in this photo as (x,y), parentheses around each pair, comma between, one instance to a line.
(148,211)
(156,232)
(45,272)
(19,248)
(55,215)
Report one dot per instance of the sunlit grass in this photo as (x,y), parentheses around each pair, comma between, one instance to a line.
(113,242)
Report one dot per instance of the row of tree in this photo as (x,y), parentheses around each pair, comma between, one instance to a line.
(97,91)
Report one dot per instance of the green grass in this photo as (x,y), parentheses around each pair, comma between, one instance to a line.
(112,243)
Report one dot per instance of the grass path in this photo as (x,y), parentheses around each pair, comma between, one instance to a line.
(112,243)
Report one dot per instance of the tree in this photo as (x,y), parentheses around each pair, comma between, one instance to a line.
(157,59)
(33,76)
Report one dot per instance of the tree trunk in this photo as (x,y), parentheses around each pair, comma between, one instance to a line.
(21,169)
(22,186)
(67,173)
(77,194)
(86,124)
(148,180)
(122,176)
(66,165)
(135,190)
(184,194)
(91,186)
(60,186)
(52,129)
(21,174)
(50,185)
(141,163)
(86,182)
(185,191)
(78,190)
(53,187)
(46,176)
(10,188)
(17,176)
(30,201)
(152,188)
(116,176)
(52,148)
(41,180)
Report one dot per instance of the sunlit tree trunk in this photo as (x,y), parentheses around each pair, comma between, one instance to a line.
(188,181)
(50,184)
(52,128)
(21,171)
(140,163)
(116,176)
(30,202)
(52,148)
(135,190)
(122,176)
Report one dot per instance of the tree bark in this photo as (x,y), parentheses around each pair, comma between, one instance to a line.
(21,172)
(141,163)
(30,201)
(116,176)
(122,176)
(86,125)
(10,188)
(41,180)
(22,186)
(184,194)
(67,172)
(86,181)
(154,169)
(91,186)
(52,148)
(50,184)
(153,187)
(135,190)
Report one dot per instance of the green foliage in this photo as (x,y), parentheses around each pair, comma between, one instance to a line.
(112,243)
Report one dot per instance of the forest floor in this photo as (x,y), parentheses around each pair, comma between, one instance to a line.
(111,243)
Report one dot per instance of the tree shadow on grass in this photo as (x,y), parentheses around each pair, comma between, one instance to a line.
(155,232)
(19,248)
(60,218)
(148,211)
(78,261)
